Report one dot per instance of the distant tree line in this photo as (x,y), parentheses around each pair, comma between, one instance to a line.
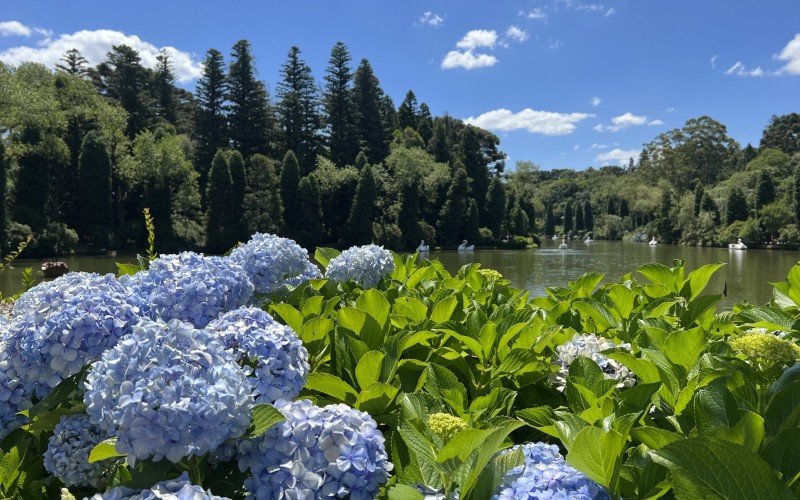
(86,149)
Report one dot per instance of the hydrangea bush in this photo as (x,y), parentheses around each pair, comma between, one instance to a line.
(366,265)
(271,262)
(180,488)
(67,455)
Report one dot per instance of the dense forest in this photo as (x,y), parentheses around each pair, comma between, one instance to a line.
(83,150)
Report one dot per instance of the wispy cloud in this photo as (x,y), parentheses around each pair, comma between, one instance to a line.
(595,101)
(534,121)
(516,34)
(617,155)
(535,13)
(16,28)
(655,122)
(554,43)
(739,69)
(624,121)
(713,61)
(429,18)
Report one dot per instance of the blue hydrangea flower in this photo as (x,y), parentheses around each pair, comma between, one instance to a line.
(179,488)
(272,261)
(591,346)
(67,455)
(334,451)
(366,265)
(191,287)
(279,359)
(29,300)
(545,474)
(169,390)
(14,397)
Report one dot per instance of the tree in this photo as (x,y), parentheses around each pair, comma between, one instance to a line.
(251,119)
(163,89)
(407,113)
(211,125)
(549,220)
(452,215)
(32,183)
(361,161)
(736,206)
(309,232)
(472,231)
(783,132)
(664,226)
(495,206)
(3,200)
(699,191)
(579,225)
(569,219)
(408,214)
(359,224)
(238,189)
(796,194)
(425,122)
(438,145)
(94,190)
(263,209)
(367,96)
(74,63)
(707,204)
(471,156)
(765,190)
(219,217)
(127,83)
(588,215)
(298,109)
(339,109)
(290,185)
(519,220)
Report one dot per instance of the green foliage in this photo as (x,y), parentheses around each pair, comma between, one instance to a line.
(495,205)
(94,181)
(263,207)
(298,110)
(451,218)
(309,219)
(338,102)
(783,133)
(3,199)
(367,96)
(765,190)
(211,125)
(362,212)
(736,207)
(290,186)
(219,211)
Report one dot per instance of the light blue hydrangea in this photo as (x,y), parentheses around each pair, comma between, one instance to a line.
(279,359)
(366,265)
(191,287)
(67,454)
(591,346)
(334,451)
(13,395)
(29,300)
(169,390)
(545,474)
(272,261)
(179,488)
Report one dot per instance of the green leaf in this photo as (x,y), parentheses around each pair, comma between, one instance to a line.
(699,278)
(368,369)
(653,437)
(104,450)
(783,454)
(443,310)
(494,473)
(659,274)
(404,492)
(460,447)
(265,416)
(766,317)
(375,304)
(324,255)
(376,398)
(62,392)
(331,385)
(783,410)
(596,312)
(709,467)
(443,383)
(598,454)
(291,316)
(127,269)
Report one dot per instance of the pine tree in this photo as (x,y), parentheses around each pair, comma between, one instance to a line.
(765,190)
(309,232)
(164,89)
(369,122)
(361,161)
(452,215)
(579,226)
(74,63)
(3,200)
(251,119)
(94,190)
(569,217)
(407,113)
(211,125)
(588,215)
(549,220)
(219,218)
(425,123)
(290,184)
(388,118)
(438,145)
(699,191)
(359,224)
(263,209)
(664,226)
(298,109)
(519,221)
(127,82)
(471,230)
(495,206)
(471,156)
(707,204)
(238,189)
(736,206)
(408,215)
(339,109)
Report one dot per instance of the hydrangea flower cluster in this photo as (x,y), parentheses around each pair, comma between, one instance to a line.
(334,451)
(67,455)
(168,390)
(179,488)
(29,300)
(366,265)
(445,425)
(591,346)
(765,351)
(271,261)
(191,287)
(280,360)
(545,474)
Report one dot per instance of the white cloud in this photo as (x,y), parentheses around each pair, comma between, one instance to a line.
(534,121)
(714,62)
(537,13)
(670,109)
(467,60)
(429,18)
(516,34)
(94,44)
(594,7)
(478,38)
(617,155)
(657,121)
(739,69)
(598,146)
(553,44)
(791,54)
(628,120)
(595,101)
(576,147)
(599,127)
(14,28)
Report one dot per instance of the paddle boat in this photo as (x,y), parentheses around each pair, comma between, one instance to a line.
(463,247)
(555,237)
(563,245)
(653,242)
(588,240)
(423,247)
(54,268)
(739,245)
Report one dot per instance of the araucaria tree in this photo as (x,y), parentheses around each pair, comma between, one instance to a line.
(219,219)
(362,212)
(367,96)
(495,206)
(211,124)
(452,217)
(94,190)
(298,109)
(471,156)
(342,139)
(238,188)
(263,209)
(290,186)
(310,217)
(3,200)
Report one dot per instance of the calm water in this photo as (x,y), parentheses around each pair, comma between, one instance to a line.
(747,273)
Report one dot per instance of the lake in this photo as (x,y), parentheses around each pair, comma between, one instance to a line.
(747,273)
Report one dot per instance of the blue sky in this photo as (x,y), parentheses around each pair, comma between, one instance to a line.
(564,83)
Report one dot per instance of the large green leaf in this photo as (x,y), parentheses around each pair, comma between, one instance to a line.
(324,255)
(698,279)
(598,454)
(368,369)
(375,304)
(783,410)
(104,450)
(331,385)
(783,454)
(713,468)
(443,310)
(265,416)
